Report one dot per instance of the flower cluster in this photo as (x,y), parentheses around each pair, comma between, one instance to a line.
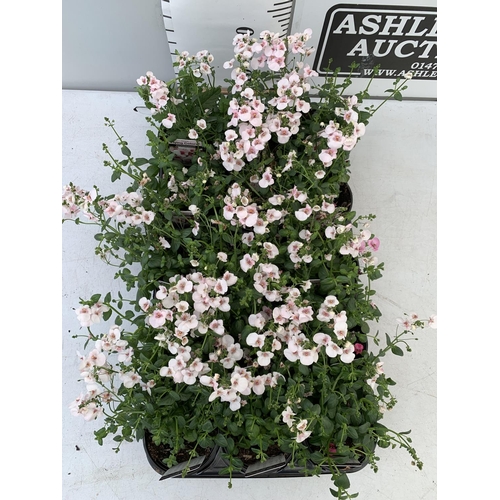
(254,297)
(126,207)
(76,200)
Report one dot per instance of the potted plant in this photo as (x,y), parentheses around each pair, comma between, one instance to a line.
(243,346)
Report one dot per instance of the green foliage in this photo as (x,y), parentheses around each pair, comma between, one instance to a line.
(297,278)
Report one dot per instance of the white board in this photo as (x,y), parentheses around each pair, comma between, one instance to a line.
(399,36)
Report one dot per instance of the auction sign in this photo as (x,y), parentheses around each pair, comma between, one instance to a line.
(398,39)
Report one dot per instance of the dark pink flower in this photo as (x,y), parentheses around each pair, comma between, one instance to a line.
(332,448)
(358,348)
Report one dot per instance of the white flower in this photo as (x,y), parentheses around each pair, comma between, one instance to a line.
(348,354)
(308,356)
(258,385)
(302,436)
(332,350)
(330,232)
(276,199)
(246,263)
(217,326)
(129,379)
(264,358)
(255,340)
(164,243)
(193,209)
(169,121)
(433,321)
(303,213)
(287,415)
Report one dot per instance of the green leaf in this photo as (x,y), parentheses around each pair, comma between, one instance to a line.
(115,175)
(206,442)
(152,171)
(233,428)
(174,396)
(342,482)
(327,424)
(95,298)
(332,401)
(364,427)
(397,351)
(340,418)
(364,327)
(351,432)
(221,440)
(316,457)
(303,369)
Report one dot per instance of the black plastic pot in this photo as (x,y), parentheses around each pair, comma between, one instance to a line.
(193,465)
(349,466)
(345,198)
(274,467)
(157,465)
(269,468)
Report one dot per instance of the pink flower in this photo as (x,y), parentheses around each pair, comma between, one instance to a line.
(217,326)
(358,348)
(267,179)
(347,355)
(330,232)
(327,156)
(433,321)
(308,356)
(374,243)
(158,318)
(284,135)
(287,416)
(303,213)
(302,436)
(169,121)
(264,357)
(246,263)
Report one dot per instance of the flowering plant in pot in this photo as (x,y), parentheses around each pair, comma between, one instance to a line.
(244,323)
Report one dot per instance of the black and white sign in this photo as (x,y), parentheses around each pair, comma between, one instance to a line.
(398,39)
(399,35)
